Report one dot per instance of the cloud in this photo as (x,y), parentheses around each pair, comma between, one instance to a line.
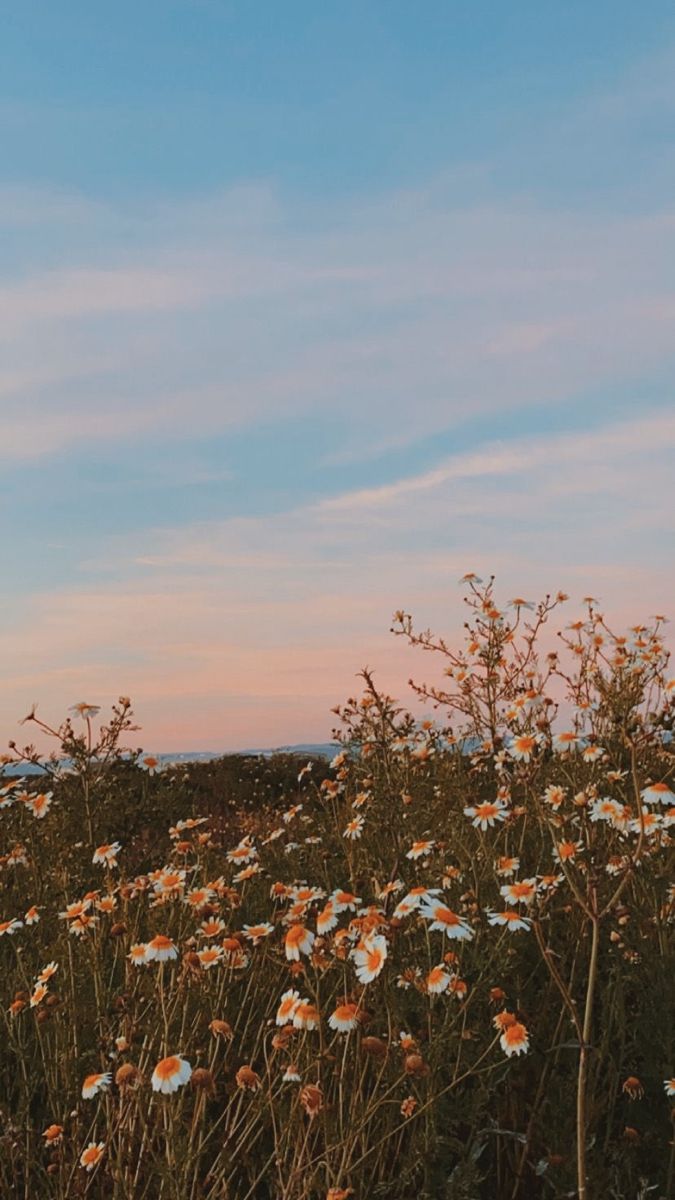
(397,318)
(221,628)
(650,433)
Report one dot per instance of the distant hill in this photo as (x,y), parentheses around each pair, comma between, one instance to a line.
(315,750)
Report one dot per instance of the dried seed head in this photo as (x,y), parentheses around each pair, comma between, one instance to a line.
(202,1081)
(221,1029)
(311,1099)
(414,1064)
(374,1046)
(127,1076)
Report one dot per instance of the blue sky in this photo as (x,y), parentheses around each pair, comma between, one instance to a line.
(307,309)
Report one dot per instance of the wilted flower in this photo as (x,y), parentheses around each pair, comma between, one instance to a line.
(311,1099)
(53,1134)
(633,1088)
(514,1039)
(96,1083)
(170,1074)
(247,1079)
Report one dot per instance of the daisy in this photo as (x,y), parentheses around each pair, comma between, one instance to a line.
(651,822)
(39,993)
(306,894)
(507,866)
(521,891)
(327,919)
(438,980)
(291,1074)
(354,829)
(53,1134)
(106,855)
(187,823)
(514,1039)
(80,925)
(446,921)
(138,955)
(343,901)
(565,742)
(413,900)
(243,853)
(235,956)
(550,882)
(247,873)
(420,849)
(210,957)
(287,1006)
(369,957)
(554,796)
(512,920)
(345,1018)
(606,809)
(160,949)
(484,815)
(390,888)
(150,763)
(75,910)
(39,804)
(523,747)
(10,927)
(96,1083)
(658,793)
(298,940)
(170,1074)
(169,882)
(86,711)
(211,928)
(255,933)
(669,1085)
(47,972)
(305,1016)
(592,753)
(92,1155)
(198,897)
(567,851)
(274,835)
(458,987)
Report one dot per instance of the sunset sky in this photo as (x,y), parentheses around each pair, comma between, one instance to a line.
(307,309)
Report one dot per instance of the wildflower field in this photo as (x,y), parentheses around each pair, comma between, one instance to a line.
(441,967)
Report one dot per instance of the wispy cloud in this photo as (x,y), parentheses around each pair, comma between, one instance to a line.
(628,439)
(280,611)
(401,328)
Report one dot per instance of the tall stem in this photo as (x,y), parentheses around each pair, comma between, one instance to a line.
(585,1047)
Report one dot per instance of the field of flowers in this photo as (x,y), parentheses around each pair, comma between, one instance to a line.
(442,968)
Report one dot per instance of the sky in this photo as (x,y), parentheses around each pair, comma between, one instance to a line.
(307,310)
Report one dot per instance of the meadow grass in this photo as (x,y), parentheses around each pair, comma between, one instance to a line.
(441,967)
